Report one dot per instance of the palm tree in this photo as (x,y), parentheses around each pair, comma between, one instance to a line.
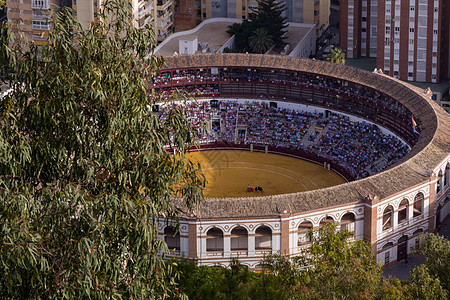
(260,41)
(337,56)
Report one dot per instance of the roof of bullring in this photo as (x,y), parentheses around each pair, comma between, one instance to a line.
(432,147)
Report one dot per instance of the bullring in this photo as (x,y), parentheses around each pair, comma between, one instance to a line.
(389,209)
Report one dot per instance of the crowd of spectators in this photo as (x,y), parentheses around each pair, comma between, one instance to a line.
(360,147)
(309,80)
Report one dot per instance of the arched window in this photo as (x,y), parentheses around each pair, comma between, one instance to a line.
(387,245)
(387,218)
(325,220)
(438,183)
(303,236)
(239,238)
(418,205)
(172,238)
(214,240)
(348,222)
(263,238)
(403,211)
(418,231)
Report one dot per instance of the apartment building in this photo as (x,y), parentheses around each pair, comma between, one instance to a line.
(358,27)
(297,11)
(157,14)
(409,38)
(31,16)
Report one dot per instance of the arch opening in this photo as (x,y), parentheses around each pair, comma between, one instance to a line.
(172,238)
(418,205)
(387,218)
(239,238)
(348,222)
(303,233)
(214,239)
(403,211)
(263,238)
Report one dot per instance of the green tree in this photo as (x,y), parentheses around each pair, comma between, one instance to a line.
(84,171)
(242,32)
(436,248)
(260,41)
(269,16)
(424,286)
(336,56)
(337,267)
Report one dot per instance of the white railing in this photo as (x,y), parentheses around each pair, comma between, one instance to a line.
(40,37)
(41,27)
(214,253)
(239,253)
(400,226)
(40,4)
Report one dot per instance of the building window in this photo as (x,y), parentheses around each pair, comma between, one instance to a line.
(411,30)
(411,41)
(410,74)
(387,218)
(418,205)
(172,238)
(263,238)
(214,240)
(403,211)
(348,222)
(396,29)
(303,233)
(239,239)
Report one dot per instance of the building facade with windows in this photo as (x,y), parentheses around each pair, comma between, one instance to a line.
(390,209)
(297,11)
(358,28)
(410,39)
(31,16)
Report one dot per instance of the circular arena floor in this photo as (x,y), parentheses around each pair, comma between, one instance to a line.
(229,172)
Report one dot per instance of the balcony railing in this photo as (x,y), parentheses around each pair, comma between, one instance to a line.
(37,37)
(41,27)
(40,4)
(400,226)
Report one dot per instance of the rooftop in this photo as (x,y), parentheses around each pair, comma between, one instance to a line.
(213,32)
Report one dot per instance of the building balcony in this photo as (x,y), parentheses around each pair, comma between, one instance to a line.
(163,4)
(38,37)
(40,4)
(40,18)
(45,27)
(400,226)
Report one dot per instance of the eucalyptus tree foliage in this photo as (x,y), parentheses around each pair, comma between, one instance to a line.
(84,171)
